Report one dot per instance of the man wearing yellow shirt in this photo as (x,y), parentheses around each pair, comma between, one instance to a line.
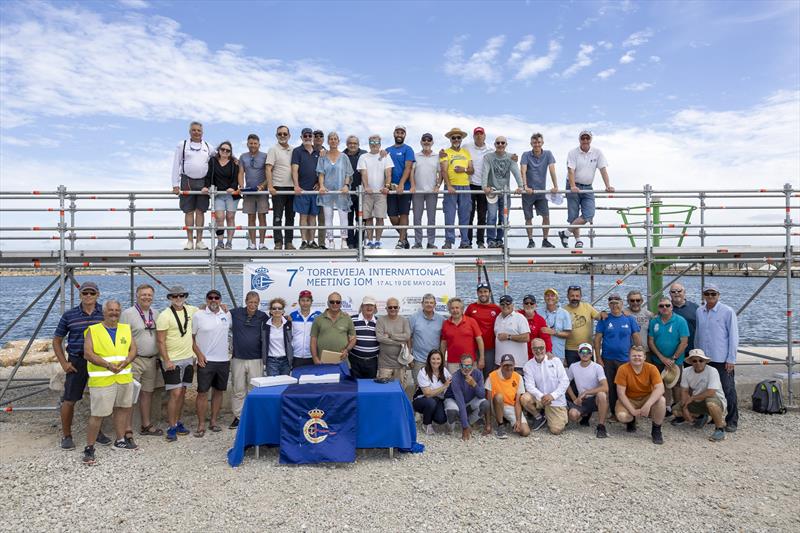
(174,334)
(583,315)
(456,167)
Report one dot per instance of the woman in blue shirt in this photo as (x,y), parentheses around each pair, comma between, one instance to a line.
(335,174)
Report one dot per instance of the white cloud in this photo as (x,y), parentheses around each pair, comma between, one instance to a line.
(582,60)
(481,65)
(605,44)
(534,65)
(655,59)
(607,73)
(135,4)
(638,38)
(628,57)
(638,87)
(521,48)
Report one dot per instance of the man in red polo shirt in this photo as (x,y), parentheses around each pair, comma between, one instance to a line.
(536,323)
(484,312)
(461,335)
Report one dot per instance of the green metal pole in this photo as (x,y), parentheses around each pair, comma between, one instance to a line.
(656,270)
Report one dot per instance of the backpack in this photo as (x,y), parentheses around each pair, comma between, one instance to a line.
(767,398)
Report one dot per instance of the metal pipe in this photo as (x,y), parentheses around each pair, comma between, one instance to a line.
(43,408)
(228,286)
(787,188)
(619,281)
(760,288)
(30,305)
(18,398)
(148,274)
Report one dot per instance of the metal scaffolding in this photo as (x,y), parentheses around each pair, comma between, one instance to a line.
(65,252)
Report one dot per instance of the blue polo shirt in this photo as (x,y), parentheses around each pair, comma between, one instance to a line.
(689,313)
(536,169)
(617,336)
(246,332)
(401,154)
(559,320)
(667,336)
(72,325)
(306,163)
(425,334)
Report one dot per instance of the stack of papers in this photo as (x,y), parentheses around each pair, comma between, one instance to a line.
(323,378)
(272,381)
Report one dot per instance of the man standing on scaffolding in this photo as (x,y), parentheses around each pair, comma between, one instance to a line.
(582,163)
(189,169)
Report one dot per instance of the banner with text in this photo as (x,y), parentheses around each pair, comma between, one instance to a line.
(407,281)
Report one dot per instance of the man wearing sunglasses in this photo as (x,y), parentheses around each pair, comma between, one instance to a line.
(393,332)
(175,344)
(638,310)
(426,331)
(279,180)
(684,308)
(376,175)
(592,391)
(583,315)
(701,395)
(718,336)
(142,320)
(535,323)
(546,384)
(71,326)
(484,312)
(465,400)
(478,149)
(364,355)
(353,151)
(512,333)
(456,168)
(333,330)
(427,182)
(305,179)
(210,328)
(668,335)
(496,176)
(189,169)
(246,361)
(253,177)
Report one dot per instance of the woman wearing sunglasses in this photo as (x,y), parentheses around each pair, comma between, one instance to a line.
(335,174)
(223,173)
(276,340)
(433,381)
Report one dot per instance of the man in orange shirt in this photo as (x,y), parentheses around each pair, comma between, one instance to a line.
(640,392)
(504,388)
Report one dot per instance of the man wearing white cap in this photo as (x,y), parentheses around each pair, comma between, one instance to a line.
(592,385)
(363,355)
(701,394)
(582,163)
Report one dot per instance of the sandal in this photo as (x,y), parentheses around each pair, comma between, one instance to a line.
(148,430)
(200,433)
(578,244)
(215,429)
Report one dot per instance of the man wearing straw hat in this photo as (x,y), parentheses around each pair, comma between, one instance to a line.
(456,168)
(701,394)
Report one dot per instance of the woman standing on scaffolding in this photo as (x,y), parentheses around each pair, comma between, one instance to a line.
(335,173)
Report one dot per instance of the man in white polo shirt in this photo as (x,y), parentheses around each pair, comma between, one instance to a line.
(582,163)
(511,333)
(189,169)
(210,328)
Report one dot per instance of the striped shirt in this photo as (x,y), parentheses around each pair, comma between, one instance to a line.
(366,342)
(72,325)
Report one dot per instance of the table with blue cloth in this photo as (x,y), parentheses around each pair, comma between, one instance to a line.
(385,419)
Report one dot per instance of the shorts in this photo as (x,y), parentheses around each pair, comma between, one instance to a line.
(226,202)
(214,374)
(193,202)
(105,399)
(180,376)
(398,204)
(529,201)
(701,408)
(374,206)
(511,416)
(146,372)
(587,406)
(75,382)
(255,203)
(583,203)
(306,204)
(556,417)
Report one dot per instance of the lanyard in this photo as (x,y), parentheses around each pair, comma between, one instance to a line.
(149,323)
(181,329)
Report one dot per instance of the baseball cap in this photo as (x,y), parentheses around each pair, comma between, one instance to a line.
(213,291)
(529,297)
(318,132)
(697,352)
(506,299)
(711,287)
(427,136)
(585,132)
(585,346)
(614,296)
(479,129)
(368,300)
(304,294)
(306,130)
(400,127)
(550,289)
(88,285)
(483,285)
(507,358)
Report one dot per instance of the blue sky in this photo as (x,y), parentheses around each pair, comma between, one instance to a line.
(677,93)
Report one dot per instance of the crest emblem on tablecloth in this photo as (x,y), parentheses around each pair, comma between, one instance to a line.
(315,430)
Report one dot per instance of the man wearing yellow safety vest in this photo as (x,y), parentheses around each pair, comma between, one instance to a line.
(109,349)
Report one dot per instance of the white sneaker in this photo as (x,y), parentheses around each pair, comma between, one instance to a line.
(189,245)
(251,245)
(344,244)
(330,244)
(200,245)
(263,246)
(429,429)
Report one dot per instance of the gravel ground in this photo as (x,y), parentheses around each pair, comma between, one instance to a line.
(573,482)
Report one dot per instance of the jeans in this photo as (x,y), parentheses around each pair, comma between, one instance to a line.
(424,202)
(277,366)
(494,215)
(580,203)
(432,410)
(462,204)
(610,367)
(361,368)
(478,206)
(728,383)
(283,208)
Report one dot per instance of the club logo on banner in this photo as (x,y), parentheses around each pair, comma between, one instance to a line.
(316,429)
(408,282)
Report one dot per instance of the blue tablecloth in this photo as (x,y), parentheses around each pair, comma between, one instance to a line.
(385,419)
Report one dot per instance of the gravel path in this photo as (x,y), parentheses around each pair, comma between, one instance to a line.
(573,482)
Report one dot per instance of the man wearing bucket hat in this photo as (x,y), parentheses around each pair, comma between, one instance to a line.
(456,168)
(701,394)
(592,386)
(582,163)
(535,166)
(496,176)
(668,335)
(174,335)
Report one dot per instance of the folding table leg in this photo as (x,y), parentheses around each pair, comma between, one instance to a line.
(258,451)
(391,453)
